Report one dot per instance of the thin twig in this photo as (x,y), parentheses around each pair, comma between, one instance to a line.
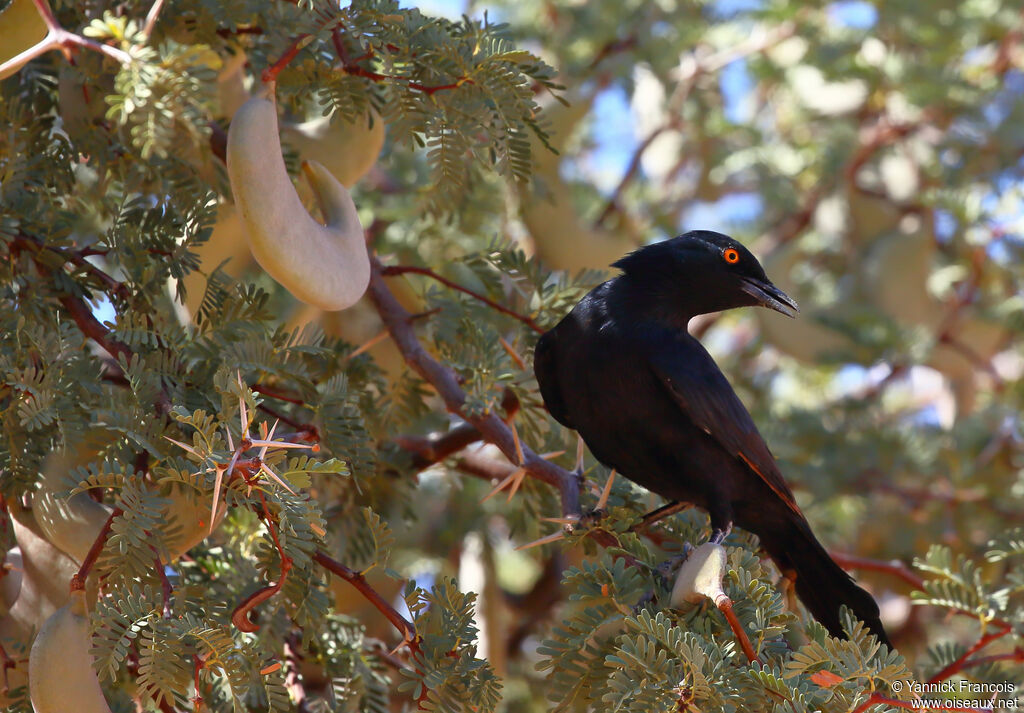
(57,38)
(97,547)
(351,67)
(955,667)
(893,567)
(660,514)
(151,18)
(240,616)
(357,580)
(725,606)
(271,72)
(631,171)
(278,394)
(92,328)
(403,269)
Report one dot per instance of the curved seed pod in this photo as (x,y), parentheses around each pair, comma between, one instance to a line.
(322,265)
(71,524)
(701,576)
(226,247)
(45,574)
(60,673)
(348,149)
(188,517)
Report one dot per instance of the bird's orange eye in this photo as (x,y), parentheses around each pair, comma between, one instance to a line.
(731,256)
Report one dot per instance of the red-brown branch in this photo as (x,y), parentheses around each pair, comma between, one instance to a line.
(1016,655)
(404,269)
(94,329)
(77,258)
(271,72)
(426,451)
(351,67)
(166,590)
(240,616)
(893,567)
(955,667)
(198,664)
(275,393)
(79,311)
(57,38)
(631,171)
(405,627)
(660,514)
(97,547)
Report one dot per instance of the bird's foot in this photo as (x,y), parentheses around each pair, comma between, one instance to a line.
(720,533)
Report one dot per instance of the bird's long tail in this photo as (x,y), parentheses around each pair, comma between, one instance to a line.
(820,583)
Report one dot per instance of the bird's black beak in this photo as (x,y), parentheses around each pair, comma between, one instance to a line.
(770,296)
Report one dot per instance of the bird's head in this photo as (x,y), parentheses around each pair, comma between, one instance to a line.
(700,272)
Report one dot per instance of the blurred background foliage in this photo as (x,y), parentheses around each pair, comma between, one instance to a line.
(869,153)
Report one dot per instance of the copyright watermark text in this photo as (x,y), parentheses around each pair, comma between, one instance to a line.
(951,695)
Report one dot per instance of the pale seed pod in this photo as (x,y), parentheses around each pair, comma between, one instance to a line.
(60,673)
(322,265)
(71,524)
(701,576)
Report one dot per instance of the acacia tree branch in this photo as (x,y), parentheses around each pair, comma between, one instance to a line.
(92,328)
(426,451)
(397,320)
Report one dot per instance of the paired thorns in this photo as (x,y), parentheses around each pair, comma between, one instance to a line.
(517,476)
(568,522)
(264,443)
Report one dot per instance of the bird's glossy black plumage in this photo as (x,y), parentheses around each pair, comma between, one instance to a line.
(649,401)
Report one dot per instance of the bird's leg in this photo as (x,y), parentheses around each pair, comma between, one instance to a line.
(719,534)
(660,513)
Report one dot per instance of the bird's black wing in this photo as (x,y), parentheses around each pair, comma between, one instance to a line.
(546,368)
(707,398)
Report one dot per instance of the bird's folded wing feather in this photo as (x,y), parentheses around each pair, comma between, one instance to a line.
(546,369)
(707,398)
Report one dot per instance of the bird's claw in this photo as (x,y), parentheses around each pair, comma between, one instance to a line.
(720,533)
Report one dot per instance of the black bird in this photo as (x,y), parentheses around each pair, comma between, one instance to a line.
(646,397)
